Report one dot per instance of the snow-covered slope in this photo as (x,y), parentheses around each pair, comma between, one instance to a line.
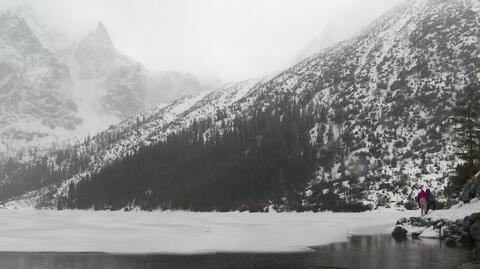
(382,101)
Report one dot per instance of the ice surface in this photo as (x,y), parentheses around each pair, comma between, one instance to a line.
(182,232)
(187,232)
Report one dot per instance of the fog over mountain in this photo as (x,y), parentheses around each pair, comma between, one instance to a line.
(229,40)
(350,19)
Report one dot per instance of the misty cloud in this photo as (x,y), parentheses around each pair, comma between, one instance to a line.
(231,40)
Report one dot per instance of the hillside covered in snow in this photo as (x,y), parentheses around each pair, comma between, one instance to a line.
(366,121)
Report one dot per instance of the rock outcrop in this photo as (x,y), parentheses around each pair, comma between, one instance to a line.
(471,189)
(461,232)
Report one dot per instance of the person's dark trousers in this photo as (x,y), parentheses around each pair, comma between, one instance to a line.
(430,205)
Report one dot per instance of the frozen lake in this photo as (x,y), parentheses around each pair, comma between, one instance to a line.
(359,252)
(182,232)
(43,239)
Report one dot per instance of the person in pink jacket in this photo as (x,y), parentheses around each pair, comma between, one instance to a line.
(422,202)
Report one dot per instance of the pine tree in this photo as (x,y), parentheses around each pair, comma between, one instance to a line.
(466,119)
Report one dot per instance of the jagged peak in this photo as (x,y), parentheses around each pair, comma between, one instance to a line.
(100,36)
(101,29)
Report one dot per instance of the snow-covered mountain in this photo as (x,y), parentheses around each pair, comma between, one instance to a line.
(49,95)
(105,81)
(35,96)
(382,100)
(96,56)
(117,85)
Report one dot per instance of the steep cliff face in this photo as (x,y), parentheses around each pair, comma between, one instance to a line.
(381,100)
(96,55)
(34,86)
(112,84)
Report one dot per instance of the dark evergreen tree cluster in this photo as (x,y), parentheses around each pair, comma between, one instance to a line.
(33,169)
(17,177)
(261,159)
(466,124)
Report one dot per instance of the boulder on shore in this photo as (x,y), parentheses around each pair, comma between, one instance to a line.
(475,217)
(471,189)
(401,221)
(475,231)
(399,233)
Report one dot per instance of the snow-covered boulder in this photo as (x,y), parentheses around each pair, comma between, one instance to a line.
(430,232)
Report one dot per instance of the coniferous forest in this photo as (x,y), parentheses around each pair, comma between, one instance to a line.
(263,159)
(23,177)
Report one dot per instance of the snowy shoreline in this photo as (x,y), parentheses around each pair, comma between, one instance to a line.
(452,224)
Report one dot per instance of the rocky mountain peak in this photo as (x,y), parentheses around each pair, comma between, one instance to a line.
(97,56)
(100,36)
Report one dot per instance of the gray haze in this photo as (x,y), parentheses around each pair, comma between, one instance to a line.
(229,40)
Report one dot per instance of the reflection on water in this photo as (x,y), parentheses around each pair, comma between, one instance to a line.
(384,252)
(358,252)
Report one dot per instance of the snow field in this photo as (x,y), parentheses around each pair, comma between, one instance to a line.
(182,232)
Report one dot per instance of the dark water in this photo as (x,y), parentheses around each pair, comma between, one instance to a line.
(359,252)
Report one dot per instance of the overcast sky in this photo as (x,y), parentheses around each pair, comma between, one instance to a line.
(227,39)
